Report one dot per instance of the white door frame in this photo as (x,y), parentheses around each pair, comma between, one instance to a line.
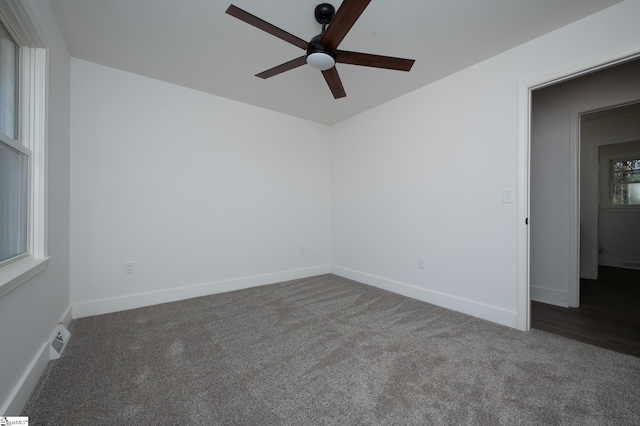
(523,315)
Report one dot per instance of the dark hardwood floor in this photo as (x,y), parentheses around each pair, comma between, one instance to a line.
(608,316)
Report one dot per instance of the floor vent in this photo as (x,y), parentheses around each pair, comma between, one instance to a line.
(59,342)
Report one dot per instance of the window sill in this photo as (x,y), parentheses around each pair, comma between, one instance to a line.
(17,275)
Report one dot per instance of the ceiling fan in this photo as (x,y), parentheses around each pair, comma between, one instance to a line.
(322,50)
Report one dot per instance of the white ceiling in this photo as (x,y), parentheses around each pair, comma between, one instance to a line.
(194,43)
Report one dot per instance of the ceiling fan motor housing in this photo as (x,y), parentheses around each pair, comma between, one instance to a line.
(317,54)
(316,47)
(324,13)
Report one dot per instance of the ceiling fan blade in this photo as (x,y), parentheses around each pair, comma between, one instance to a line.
(345,17)
(376,61)
(333,80)
(294,63)
(267,27)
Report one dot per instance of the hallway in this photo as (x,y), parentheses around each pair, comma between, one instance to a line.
(608,316)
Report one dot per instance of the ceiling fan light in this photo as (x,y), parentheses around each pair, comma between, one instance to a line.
(321,61)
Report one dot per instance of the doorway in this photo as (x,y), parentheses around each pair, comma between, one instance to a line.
(609,210)
(608,315)
(562,239)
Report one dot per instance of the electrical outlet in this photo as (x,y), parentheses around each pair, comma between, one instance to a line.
(301,250)
(128,267)
(421,263)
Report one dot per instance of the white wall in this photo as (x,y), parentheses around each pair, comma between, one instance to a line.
(30,313)
(423,175)
(553,109)
(204,194)
(619,229)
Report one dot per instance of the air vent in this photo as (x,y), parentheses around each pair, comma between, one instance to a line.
(59,342)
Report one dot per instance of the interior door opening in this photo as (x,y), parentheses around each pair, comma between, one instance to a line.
(567,131)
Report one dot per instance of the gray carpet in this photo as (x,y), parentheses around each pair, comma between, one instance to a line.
(326,351)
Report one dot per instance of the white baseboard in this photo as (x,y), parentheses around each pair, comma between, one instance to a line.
(610,261)
(21,392)
(27,383)
(631,264)
(105,306)
(550,296)
(465,306)
(65,320)
(619,263)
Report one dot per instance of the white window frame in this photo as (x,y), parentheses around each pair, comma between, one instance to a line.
(612,183)
(32,136)
(605,177)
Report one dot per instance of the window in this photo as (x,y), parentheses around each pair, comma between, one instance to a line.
(14,157)
(9,54)
(22,147)
(625,182)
